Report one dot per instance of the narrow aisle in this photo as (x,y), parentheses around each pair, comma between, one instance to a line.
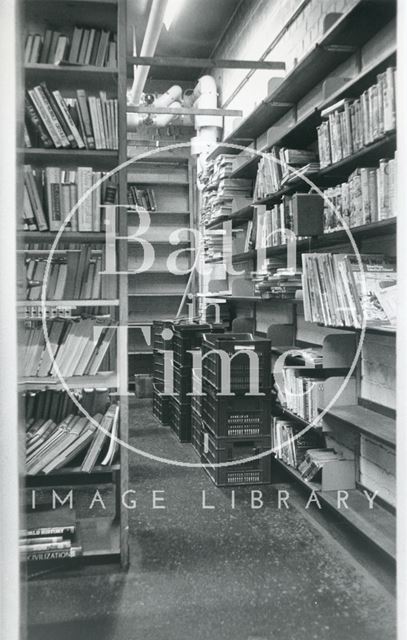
(224,573)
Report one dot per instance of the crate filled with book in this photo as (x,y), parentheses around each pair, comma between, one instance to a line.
(71,301)
(320,252)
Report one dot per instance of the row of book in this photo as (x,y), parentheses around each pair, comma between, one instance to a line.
(143,198)
(78,347)
(275,169)
(302,394)
(288,446)
(53,445)
(217,245)
(338,291)
(77,274)
(369,195)
(52,121)
(95,47)
(272,224)
(57,403)
(51,193)
(349,125)
(50,534)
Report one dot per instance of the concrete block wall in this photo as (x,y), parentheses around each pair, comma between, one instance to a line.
(254,27)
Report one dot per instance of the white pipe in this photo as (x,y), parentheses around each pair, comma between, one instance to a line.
(152,34)
(162,119)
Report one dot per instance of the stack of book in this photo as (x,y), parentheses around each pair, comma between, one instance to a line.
(51,445)
(143,198)
(51,193)
(338,292)
(219,189)
(55,404)
(79,347)
(282,284)
(314,460)
(281,166)
(50,535)
(94,47)
(368,196)
(350,125)
(72,275)
(289,448)
(52,121)
(217,245)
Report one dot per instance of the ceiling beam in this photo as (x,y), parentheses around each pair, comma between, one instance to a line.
(206,63)
(184,111)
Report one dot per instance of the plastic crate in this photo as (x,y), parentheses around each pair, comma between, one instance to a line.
(186,338)
(236,416)
(220,450)
(180,419)
(236,345)
(158,368)
(182,383)
(161,406)
(196,400)
(158,328)
(196,431)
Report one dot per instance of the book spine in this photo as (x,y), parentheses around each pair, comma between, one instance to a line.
(66,132)
(48,117)
(64,110)
(85,116)
(53,555)
(37,124)
(48,531)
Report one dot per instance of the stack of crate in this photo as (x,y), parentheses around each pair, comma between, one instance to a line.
(236,426)
(162,341)
(187,337)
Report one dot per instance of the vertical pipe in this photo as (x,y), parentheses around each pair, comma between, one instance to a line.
(151,36)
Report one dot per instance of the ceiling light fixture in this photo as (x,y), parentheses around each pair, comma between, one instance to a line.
(172,11)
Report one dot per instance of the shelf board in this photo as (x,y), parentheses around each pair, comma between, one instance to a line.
(141,353)
(72,471)
(76,73)
(377,525)
(163,294)
(105,379)
(384,329)
(349,32)
(69,303)
(240,215)
(75,156)
(382,227)
(163,213)
(366,421)
(67,236)
(247,169)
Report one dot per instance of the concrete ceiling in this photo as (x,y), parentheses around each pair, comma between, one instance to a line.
(194,33)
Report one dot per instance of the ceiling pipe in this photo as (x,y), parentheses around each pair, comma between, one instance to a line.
(151,36)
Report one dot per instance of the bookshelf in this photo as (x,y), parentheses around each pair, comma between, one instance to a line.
(157,293)
(107,537)
(342,64)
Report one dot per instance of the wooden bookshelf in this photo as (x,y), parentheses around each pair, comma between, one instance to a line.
(360,42)
(107,536)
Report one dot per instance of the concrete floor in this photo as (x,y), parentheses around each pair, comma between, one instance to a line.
(223,573)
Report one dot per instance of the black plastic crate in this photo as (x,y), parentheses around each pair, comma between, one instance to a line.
(158,340)
(196,431)
(161,406)
(221,450)
(180,419)
(182,383)
(236,345)
(196,400)
(186,338)
(236,416)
